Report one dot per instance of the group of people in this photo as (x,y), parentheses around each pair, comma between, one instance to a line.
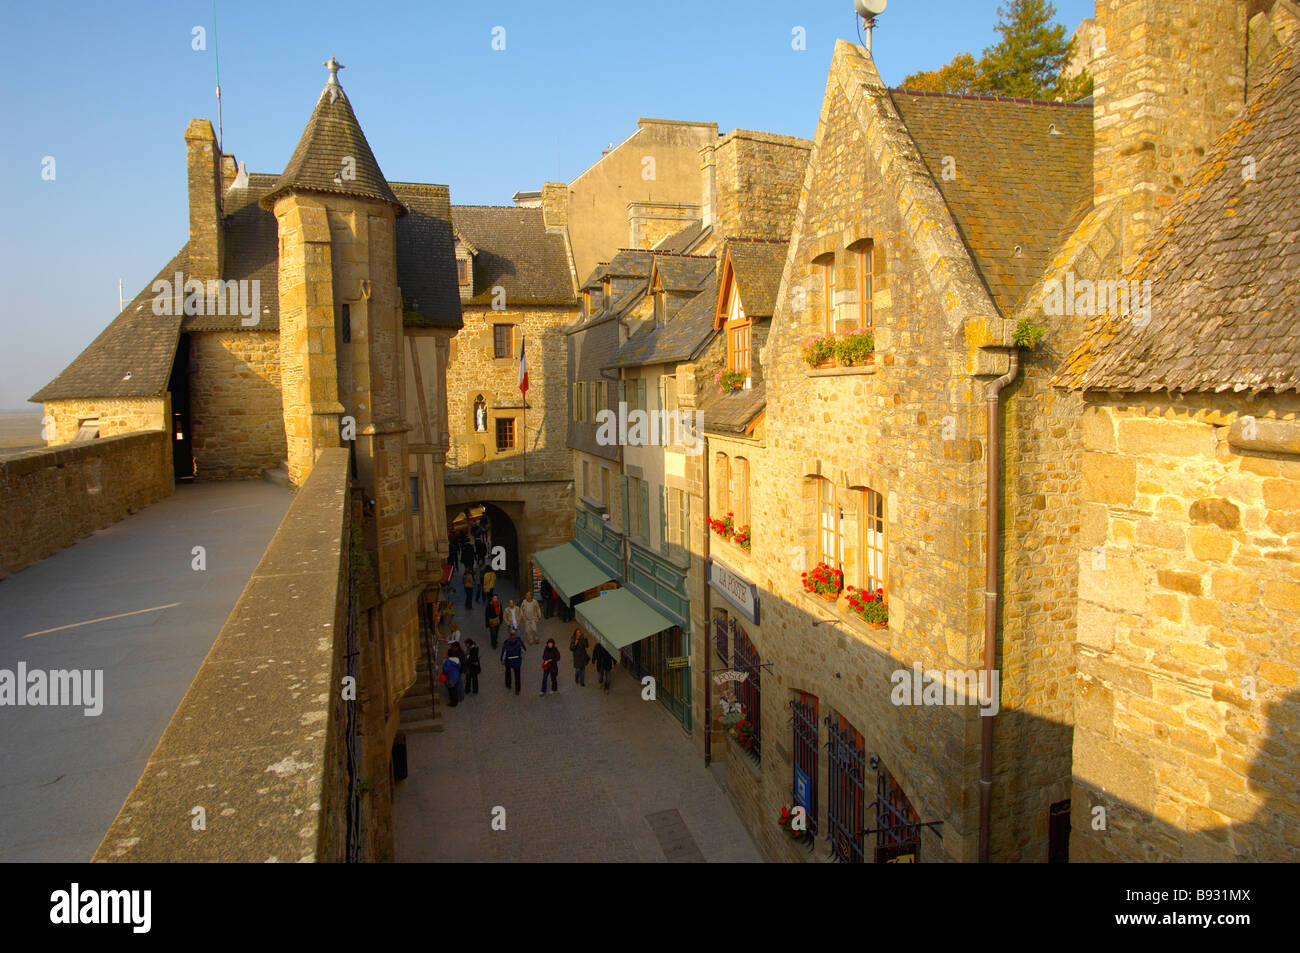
(461,668)
(468,550)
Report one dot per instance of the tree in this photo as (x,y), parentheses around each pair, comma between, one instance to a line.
(1026,63)
(960,76)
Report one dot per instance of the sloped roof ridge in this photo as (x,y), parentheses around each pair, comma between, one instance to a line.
(988,97)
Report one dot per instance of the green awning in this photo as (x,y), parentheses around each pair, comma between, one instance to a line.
(618,618)
(570,571)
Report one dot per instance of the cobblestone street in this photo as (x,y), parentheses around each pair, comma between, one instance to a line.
(582,776)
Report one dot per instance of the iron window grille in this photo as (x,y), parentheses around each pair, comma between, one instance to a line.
(846,805)
(721,626)
(804,720)
(749,692)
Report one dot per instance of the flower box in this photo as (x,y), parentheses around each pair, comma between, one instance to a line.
(847,349)
(824,581)
(869,606)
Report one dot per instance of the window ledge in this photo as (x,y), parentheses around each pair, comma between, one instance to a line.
(843,371)
(591,501)
(851,619)
(737,753)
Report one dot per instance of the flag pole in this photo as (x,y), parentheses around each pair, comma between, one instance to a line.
(524,354)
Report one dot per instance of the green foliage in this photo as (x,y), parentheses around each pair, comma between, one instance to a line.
(1028,333)
(819,350)
(1026,63)
(856,347)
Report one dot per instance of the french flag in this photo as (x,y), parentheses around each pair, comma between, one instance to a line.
(523,369)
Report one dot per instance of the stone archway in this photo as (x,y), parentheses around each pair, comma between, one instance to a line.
(502,530)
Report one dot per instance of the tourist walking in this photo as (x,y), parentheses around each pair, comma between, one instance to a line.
(472,667)
(453,633)
(481,549)
(456,651)
(466,552)
(468,580)
(451,677)
(512,657)
(512,616)
(604,666)
(478,581)
(532,614)
(578,646)
(550,666)
(489,582)
(492,618)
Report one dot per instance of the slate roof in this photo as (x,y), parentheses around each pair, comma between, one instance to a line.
(1224,269)
(317,164)
(517,253)
(132,357)
(680,338)
(757,266)
(688,239)
(683,273)
(733,412)
(1012,181)
(426,257)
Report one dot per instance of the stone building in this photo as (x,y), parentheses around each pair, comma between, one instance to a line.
(518,294)
(1188,695)
(282,328)
(923,222)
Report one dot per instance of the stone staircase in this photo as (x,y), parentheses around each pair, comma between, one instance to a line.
(419,710)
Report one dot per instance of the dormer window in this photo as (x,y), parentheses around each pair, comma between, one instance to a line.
(462,271)
(659,306)
(586,302)
(607,290)
(737,329)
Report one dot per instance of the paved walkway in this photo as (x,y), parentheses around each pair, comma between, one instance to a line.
(582,776)
(66,774)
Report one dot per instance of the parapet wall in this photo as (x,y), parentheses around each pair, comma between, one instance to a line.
(259,742)
(57,495)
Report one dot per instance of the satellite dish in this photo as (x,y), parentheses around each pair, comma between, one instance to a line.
(869,8)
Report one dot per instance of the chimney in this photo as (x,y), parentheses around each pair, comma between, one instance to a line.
(1170,76)
(555,206)
(203,167)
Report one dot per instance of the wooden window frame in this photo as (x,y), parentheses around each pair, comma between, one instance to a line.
(825,499)
(827,265)
(462,271)
(724,484)
(497,330)
(864,250)
(740,500)
(510,431)
(738,329)
(867,520)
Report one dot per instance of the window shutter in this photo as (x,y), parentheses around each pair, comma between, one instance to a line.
(686,522)
(673,518)
(663,521)
(573,402)
(643,521)
(627,527)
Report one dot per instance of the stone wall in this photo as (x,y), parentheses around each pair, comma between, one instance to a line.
(57,495)
(1189,673)
(756,178)
(265,763)
(116,416)
(1171,76)
(236,419)
(472,370)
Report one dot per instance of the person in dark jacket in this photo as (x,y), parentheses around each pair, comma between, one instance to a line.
(550,666)
(492,618)
(481,549)
(471,667)
(451,676)
(468,579)
(604,666)
(466,553)
(454,650)
(512,657)
(578,646)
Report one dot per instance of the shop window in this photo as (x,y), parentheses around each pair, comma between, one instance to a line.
(898,826)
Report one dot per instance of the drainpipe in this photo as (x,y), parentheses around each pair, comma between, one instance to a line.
(993,547)
(708,616)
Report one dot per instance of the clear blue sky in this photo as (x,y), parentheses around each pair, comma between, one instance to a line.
(107,89)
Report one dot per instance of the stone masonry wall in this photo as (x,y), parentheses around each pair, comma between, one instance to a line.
(116,416)
(235,405)
(57,495)
(1188,698)
(757,180)
(472,370)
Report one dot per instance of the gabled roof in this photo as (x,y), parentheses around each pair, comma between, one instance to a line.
(1016,176)
(515,251)
(754,266)
(333,156)
(680,338)
(1224,268)
(132,357)
(681,273)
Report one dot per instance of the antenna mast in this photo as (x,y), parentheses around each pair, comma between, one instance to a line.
(216,59)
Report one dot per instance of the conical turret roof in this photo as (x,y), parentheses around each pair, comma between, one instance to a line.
(333,155)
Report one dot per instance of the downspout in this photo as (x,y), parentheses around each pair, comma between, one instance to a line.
(708,618)
(993,547)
